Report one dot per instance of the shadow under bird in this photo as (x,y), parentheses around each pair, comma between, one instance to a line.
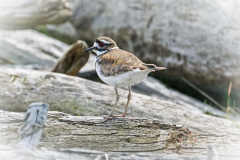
(119,68)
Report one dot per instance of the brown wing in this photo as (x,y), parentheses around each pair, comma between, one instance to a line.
(118,61)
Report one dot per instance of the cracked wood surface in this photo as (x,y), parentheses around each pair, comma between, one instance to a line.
(152,138)
(77,96)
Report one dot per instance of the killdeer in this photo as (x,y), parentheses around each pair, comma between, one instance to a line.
(119,68)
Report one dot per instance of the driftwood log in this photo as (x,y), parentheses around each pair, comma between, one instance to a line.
(28,13)
(158,33)
(137,138)
(30,47)
(34,121)
(73,60)
(166,128)
(32,50)
(77,96)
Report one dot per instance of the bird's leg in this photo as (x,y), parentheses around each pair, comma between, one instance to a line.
(129,98)
(111,113)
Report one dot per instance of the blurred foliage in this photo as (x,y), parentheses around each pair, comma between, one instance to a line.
(55,34)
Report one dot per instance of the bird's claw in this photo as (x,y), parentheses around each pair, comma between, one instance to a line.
(119,115)
(111,117)
(108,116)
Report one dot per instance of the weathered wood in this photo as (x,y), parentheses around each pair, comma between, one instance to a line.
(157,33)
(78,96)
(34,121)
(155,88)
(40,52)
(132,134)
(73,60)
(29,47)
(27,13)
(7,153)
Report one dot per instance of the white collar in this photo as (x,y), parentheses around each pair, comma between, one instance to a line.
(107,51)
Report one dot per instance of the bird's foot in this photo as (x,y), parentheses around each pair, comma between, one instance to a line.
(107,117)
(119,116)
(111,117)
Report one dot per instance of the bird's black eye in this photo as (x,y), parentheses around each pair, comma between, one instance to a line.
(101,44)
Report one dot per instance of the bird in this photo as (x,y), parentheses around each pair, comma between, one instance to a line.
(119,69)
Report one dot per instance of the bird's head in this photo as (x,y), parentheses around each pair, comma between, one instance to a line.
(102,45)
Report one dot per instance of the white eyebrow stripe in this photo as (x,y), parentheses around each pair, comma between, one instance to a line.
(106,42)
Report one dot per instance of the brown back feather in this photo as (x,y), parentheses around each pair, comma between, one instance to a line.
(118,61)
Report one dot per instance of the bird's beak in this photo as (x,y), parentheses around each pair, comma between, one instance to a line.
(89,49)
(160,68)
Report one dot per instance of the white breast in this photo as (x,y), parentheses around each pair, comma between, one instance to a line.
(123,80)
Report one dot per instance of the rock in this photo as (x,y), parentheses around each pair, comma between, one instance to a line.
(190,39)
(144,138)
(29,13)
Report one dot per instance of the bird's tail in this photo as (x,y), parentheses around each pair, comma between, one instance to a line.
(154,67)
